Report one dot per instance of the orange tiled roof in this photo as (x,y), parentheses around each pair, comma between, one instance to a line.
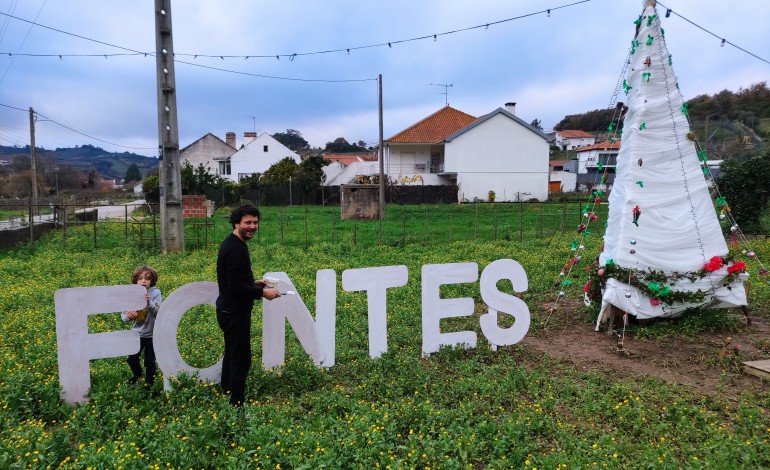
(574,134)
(606,145)
(557,162)
(434,128)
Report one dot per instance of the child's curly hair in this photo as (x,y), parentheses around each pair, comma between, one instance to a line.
(145,269)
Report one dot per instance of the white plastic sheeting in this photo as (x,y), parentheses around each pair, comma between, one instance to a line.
(658,171)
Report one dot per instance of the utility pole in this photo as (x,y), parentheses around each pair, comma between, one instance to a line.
(33,160)
(171,220)
(382,153)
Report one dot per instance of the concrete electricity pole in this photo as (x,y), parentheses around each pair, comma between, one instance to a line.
(33,160)
(171,216)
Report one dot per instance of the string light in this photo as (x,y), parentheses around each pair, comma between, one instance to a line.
(548,13)
(722,44)
(668,12)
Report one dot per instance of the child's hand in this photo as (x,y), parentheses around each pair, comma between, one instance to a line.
(131,314)
(147,296)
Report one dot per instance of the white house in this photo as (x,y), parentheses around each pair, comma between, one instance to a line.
(497,152)
(208,150)
(256,155)
(573,139)
(585,173)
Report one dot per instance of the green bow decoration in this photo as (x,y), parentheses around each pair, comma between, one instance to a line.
(640,183)
(669,59)
(609,262)
(702,155)
(721,201)
(626,89)
(574,245)
(650,19)
(664,291)
(684,110)
(638,21)
(611,127)
(653,286)
(566,283)
(586,232)
(600,166)
(649,40)
(612,140)
(643,126)
(646,76)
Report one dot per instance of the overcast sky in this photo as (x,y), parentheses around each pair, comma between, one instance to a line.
(551,66)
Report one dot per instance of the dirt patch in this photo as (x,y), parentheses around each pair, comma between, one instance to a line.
(693,362)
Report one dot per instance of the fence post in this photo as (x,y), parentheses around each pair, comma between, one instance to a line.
(64,230)
(95,216)
(494,209)
(31,223)
(403,229)
(564,217)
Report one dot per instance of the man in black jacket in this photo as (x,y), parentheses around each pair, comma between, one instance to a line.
(237,292)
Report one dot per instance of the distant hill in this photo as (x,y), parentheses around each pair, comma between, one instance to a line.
(83,158)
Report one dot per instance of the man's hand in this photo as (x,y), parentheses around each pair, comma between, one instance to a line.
(270,294)
(260,283)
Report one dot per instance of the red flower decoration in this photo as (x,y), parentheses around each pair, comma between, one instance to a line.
(736,267)
(714,264)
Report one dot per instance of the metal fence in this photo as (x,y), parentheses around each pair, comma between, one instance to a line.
(88,226)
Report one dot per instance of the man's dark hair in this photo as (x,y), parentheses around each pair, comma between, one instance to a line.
(240,211)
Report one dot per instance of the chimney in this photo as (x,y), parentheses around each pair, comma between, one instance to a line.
(230,139)
(511,107)
(249,137)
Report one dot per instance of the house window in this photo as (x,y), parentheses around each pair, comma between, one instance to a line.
(224,167)
(264,147)
(608,159)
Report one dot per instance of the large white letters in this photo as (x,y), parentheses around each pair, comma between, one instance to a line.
(77,347)
(376,281)
(317,337)
(506,303)
(292,308)
(434,308)
(170,314)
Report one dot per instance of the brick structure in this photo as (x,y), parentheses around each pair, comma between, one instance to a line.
(197,206)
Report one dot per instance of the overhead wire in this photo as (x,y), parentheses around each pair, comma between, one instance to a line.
(77,131)
(293,55)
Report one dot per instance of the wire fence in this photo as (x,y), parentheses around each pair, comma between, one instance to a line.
(88,226)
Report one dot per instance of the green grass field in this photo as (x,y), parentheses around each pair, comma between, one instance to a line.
(456,409)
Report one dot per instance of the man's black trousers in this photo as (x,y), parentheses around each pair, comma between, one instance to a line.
(236,327)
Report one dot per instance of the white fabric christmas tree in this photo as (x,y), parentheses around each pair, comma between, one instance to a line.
(661,215)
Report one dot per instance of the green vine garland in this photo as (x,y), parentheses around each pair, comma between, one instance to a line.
(653,283)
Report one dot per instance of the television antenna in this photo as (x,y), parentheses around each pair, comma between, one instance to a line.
(446,91)
(254,122)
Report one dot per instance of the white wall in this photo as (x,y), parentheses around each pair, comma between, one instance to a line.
(499,155)
(253,158)
(400,161)
(204,150)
